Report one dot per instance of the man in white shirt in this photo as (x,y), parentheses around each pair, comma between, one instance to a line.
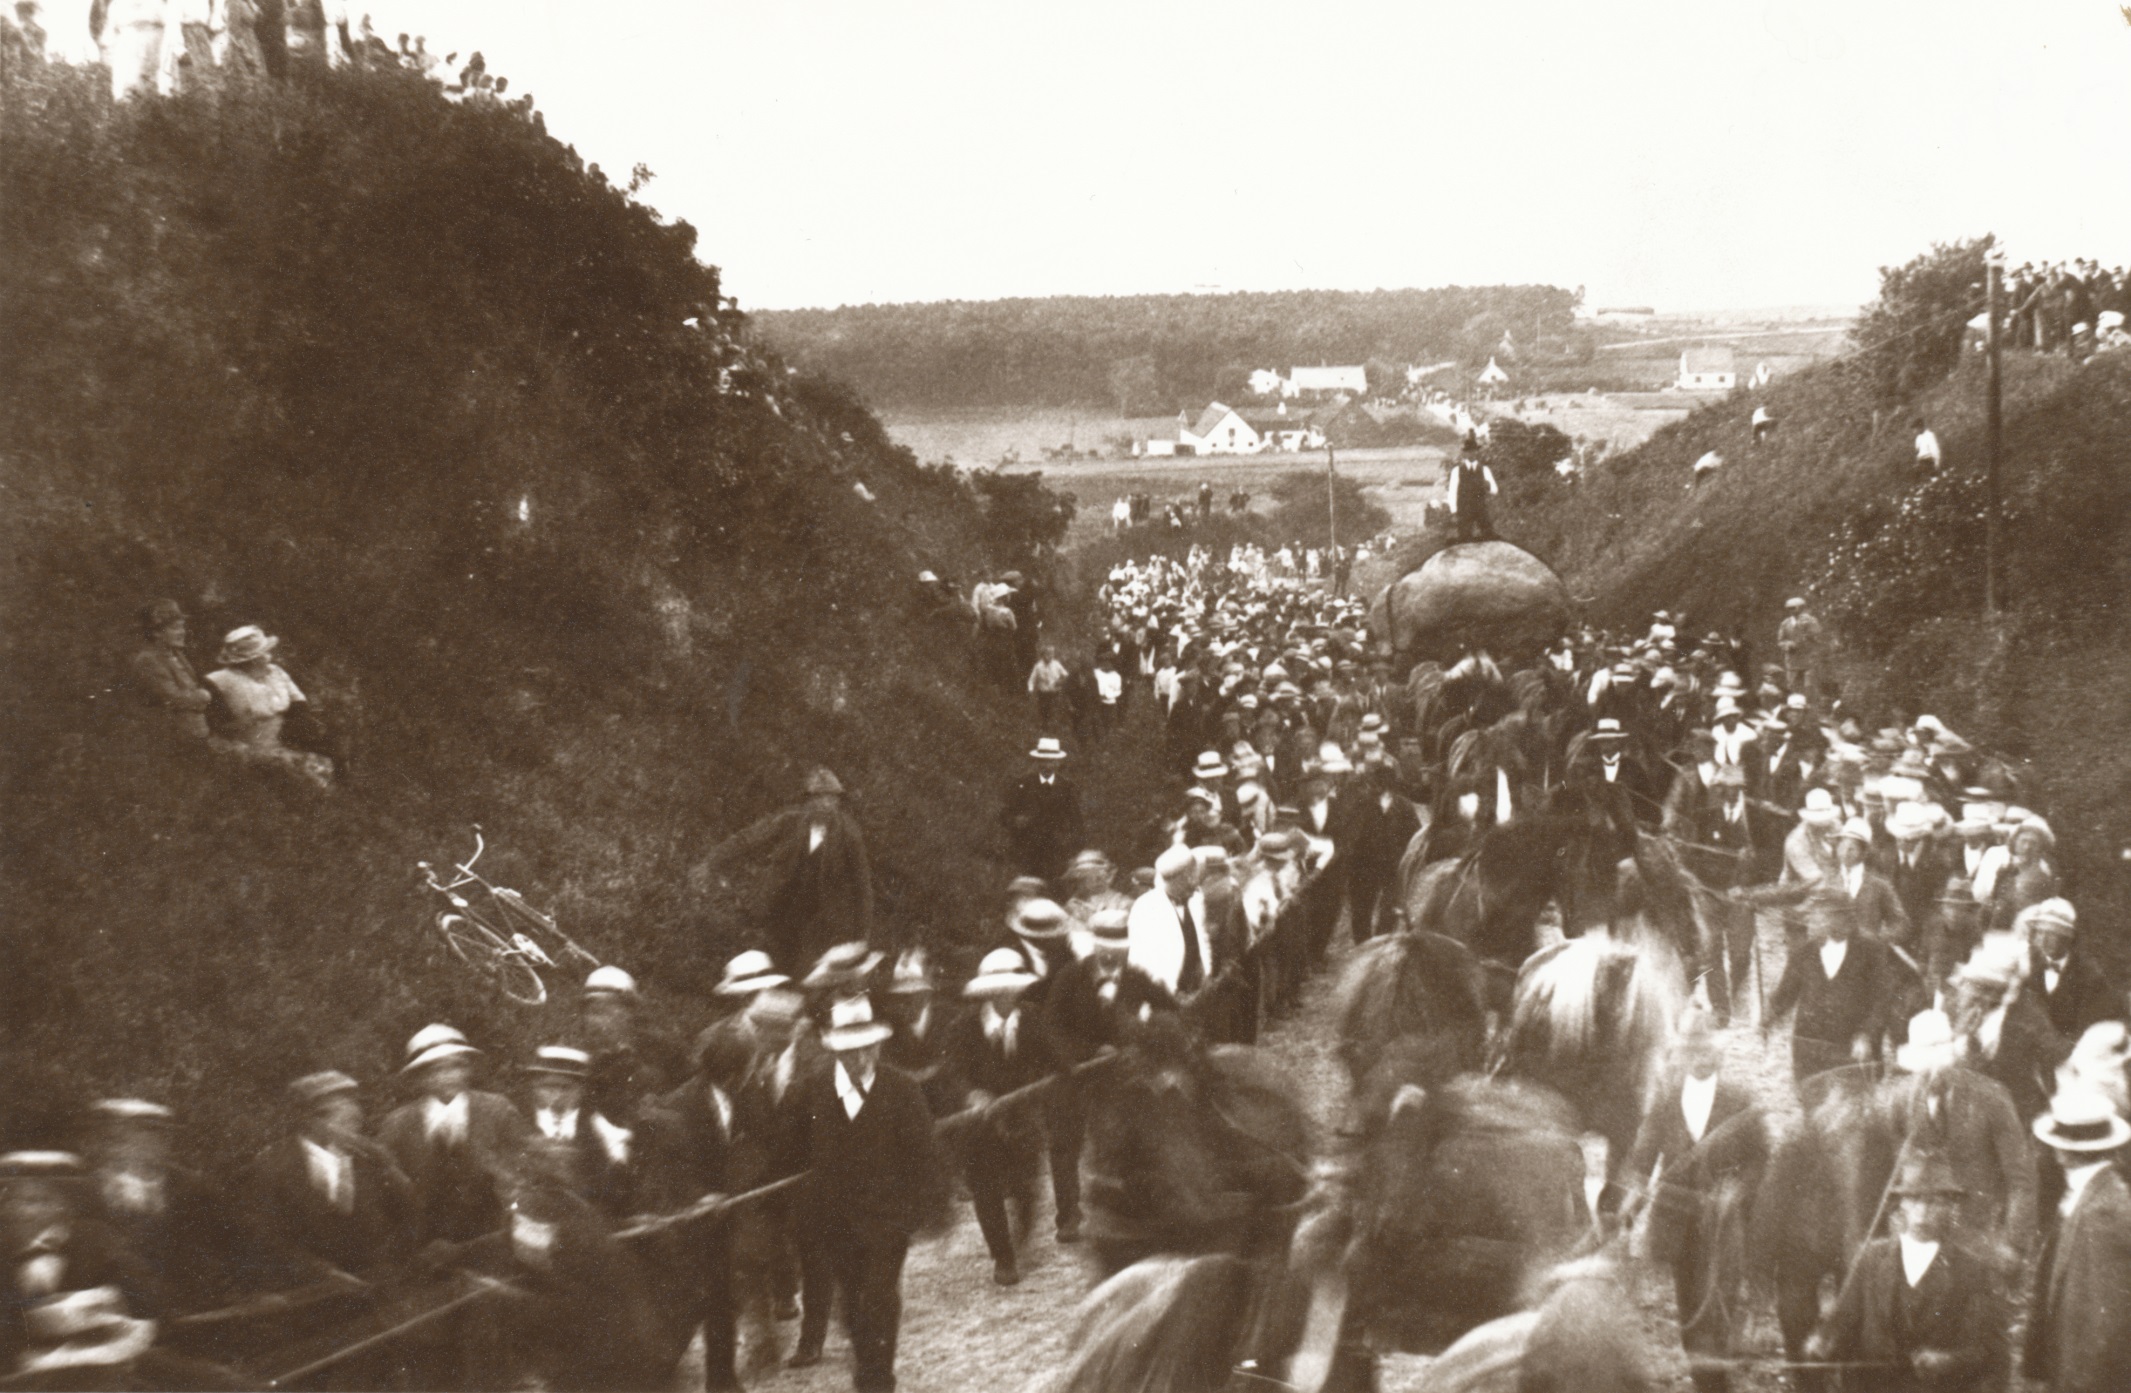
(1919,1310)
(1928,454)
(1167,932)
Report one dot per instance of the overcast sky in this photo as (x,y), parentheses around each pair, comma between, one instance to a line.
(1687,155)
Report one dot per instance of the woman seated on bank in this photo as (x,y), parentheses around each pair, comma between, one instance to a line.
(254,696)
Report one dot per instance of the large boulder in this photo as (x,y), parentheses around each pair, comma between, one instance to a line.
(1473,595)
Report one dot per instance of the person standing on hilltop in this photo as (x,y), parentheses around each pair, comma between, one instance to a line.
(817,860)
(1470,485)
(1803,643)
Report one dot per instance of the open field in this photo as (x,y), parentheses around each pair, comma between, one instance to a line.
(1623,420)
(980,437)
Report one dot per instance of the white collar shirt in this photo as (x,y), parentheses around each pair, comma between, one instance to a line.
(1853,879)
(445,1123)
(1917,1257)
(1697,1098)
(851,1092)
(1989,1031)
(817,833)
(614,1139)
(1832,954)
(2076,1180)
(1002,1030)
(331,1173)
(2052,974)
(555,1124)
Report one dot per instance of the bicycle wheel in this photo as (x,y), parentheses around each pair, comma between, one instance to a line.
(493,956)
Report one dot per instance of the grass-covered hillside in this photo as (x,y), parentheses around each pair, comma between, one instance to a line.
(1833,511)
(555,549)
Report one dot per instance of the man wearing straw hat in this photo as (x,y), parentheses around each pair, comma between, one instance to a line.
(1808,863)
(453,1142)
(1042,815)
(2078,1340)
(1878,909)
(2070,989)
(997,1049)
(2004,1032)
(861,1131)
(1918,1310)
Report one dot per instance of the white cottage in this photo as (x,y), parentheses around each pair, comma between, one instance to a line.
(1707,370)
(1220,430)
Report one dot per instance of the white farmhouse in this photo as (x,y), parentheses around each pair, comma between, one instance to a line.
(1264,382)
(1353,379)
(1492,375)
(1220,430)
(1707,370)
(1279,431)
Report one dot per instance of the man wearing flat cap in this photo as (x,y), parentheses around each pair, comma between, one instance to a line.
(164,677)
(821,880)
(1919,1311)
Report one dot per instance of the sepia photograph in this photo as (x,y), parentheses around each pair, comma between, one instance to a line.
(1153,696)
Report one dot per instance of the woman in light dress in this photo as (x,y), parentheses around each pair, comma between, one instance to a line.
(255,696)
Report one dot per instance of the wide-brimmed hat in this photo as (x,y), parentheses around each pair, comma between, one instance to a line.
(2082,1119)
(562,1060)
(1926,1173)
(1908,822)
(822,780)
(1728,706)
(133,1110)
(45,1165)
(1047,747)
(312,1089)
(1089,861)
(1819,809)
(1998,961)
(843,965)
(1332,760)
(609,981)
(241,645)
(1608,729)
(852,1027)
(748,973)
(912,973)
(1111,926)
(1003,972)
(1040,920)
(1931,1044)
(1372,721)
(1209,766)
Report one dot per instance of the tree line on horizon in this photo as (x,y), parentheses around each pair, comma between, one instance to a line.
(1146,355)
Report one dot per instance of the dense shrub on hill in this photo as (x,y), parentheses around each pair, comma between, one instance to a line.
(1148,354)
(1910,336)
(405,382)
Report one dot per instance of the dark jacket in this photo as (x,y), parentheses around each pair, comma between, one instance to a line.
(2027,1057)
(1834,1011)
(2083,996)
(1043,825)
(1969,1119)
(879,1172)
(2078,1339)
(1081,1021)
(819,897)
(1733,1147)
(298,1234)
(1880,1320)
(455,1186)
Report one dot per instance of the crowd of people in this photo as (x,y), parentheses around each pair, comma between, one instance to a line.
(2065,306)
(581,1216)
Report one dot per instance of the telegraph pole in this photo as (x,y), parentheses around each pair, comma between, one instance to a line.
(1993,541)
(1331,499)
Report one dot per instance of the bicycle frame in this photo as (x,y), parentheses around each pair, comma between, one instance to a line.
(511,901)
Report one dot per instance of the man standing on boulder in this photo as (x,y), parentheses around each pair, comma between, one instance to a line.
(817,860)
(1470,485)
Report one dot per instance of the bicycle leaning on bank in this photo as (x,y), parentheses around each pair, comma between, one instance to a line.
(500,936)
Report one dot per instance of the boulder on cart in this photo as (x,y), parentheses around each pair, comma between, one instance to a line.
(1471,596)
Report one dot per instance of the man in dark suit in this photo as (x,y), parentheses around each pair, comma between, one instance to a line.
(2077,1338)
(993,1050)
(1729,840)
(1917,870)
(1842,986)
(453,1142)
(1969,1119)
(688,1137)
(1919,1311)
(2073,993)
(823,883)
(1371,827)
(2005,1034)
(1877,909)
(1042,938)
(326,1199)
(862,1132)
(1042,815)
(1700,1149)
(602,1156)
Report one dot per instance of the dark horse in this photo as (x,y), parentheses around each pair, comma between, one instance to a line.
(1419,987)
(1491,898)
